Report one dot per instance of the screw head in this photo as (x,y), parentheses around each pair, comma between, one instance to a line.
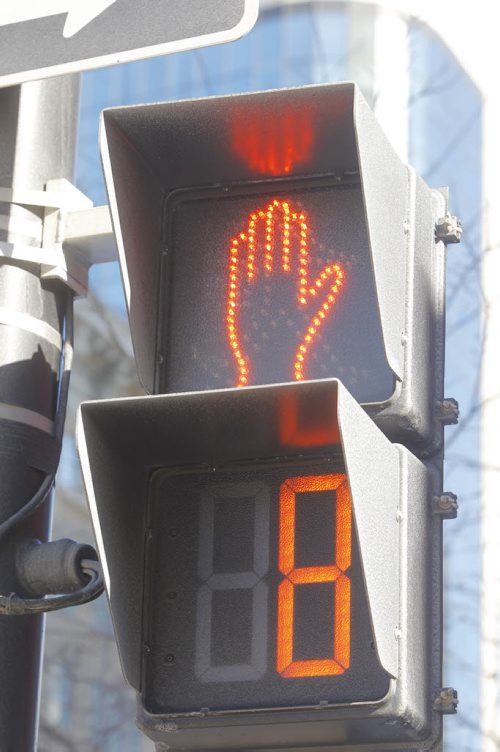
(446,505)
(446,701)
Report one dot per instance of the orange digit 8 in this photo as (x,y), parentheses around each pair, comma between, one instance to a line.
(334,573)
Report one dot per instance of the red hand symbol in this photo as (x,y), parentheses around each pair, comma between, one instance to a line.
(245,255)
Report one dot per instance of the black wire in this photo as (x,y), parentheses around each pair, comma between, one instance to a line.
(14,605)
(46,486)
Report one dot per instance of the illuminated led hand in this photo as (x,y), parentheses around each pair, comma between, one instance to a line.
(276,242)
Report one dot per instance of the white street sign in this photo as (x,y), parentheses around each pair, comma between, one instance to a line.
(51,37)
(78,14)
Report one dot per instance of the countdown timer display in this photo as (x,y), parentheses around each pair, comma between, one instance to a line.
(267,287)
(258,599)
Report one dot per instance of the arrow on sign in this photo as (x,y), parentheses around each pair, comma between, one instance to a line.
(80,13)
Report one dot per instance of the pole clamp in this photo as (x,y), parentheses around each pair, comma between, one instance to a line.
(54,259)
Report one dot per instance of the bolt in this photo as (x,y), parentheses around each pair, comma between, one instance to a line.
(169,658)
(171,595)
(449,229)
(446,505)
(448,411)
(446,701)
(173,532)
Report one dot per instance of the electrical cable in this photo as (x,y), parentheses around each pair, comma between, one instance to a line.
(14,604)
(46,486)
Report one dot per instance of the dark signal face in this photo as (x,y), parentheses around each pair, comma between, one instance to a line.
(264,288)
(258,598)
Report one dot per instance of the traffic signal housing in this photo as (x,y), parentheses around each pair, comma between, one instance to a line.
(271,561)
(277,237)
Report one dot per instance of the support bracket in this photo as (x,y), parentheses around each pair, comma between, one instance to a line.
(75,234)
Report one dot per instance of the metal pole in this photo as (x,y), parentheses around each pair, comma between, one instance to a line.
(37,142)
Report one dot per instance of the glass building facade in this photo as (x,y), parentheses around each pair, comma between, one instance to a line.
(432,111)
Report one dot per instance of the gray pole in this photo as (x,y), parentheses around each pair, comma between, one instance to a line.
(37,142)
